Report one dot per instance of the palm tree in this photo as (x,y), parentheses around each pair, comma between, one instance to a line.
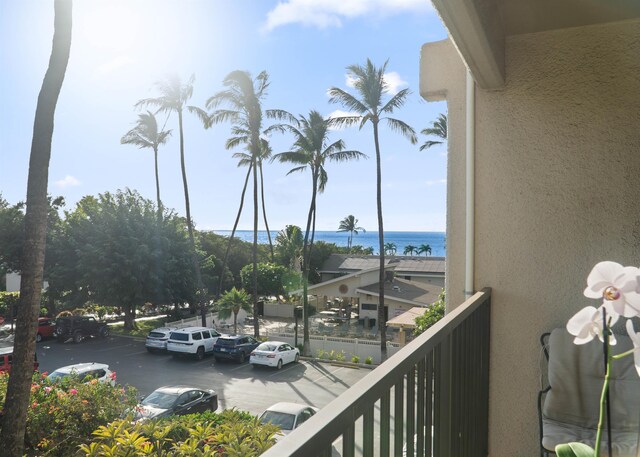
(409,249)
(424,248)
(311,149)
(371,86)
(350,224)
(244,97)
(233,301)
(438,129)
(173,98)
(35,228)
(289,244)
(390,248)
(146,135)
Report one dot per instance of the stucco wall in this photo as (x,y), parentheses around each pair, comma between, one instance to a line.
(557,179)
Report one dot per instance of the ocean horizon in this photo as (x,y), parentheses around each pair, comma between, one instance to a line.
(367,239)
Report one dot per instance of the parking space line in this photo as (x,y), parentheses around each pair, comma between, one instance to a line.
(239,367)
(293,365)
(325,375)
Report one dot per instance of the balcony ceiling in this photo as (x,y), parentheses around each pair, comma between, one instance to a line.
(478,28)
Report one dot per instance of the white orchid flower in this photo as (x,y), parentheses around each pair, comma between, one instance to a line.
(616,285)
(635,338)
(587,324)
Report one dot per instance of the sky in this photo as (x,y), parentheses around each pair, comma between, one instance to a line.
(121,48)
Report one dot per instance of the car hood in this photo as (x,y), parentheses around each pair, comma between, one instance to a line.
(149,412)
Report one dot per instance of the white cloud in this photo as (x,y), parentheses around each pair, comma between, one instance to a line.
(67,181)
(436,182)
(393,79)
(331,13)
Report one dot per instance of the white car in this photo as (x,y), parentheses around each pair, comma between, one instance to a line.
(274,354)
(86,372)
(157,339)
(196,341)
(287,416)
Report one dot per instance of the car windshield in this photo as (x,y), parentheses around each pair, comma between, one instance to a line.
(162,400)
(57,375)
(226,342)
(283,420)
(267,347)
(180,336)
(156,335)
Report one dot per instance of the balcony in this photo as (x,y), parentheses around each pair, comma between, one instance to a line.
(429,399)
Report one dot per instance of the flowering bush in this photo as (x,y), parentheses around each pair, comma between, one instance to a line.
(619,289)
(63,414)
(229,434)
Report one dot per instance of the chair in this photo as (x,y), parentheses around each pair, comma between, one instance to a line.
(569,406)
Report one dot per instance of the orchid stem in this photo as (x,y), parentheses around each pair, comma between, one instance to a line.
(623,354)
(603,396)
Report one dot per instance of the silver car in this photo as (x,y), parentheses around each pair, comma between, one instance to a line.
(157,339)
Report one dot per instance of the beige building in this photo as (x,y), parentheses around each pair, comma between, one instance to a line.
(543,172)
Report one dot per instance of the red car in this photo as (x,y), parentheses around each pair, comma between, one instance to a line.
(6,359)
(46,327)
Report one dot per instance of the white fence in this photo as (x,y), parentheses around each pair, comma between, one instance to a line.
(278,310)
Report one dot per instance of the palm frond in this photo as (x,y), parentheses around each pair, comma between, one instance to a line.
(337,95)
(322,180)
(345,121)
(397,101)
(235,141)
(282,115)
(344,156)
(201,114)
(403,128)
(297,169)
(429,143)
(223,115)
(296,157)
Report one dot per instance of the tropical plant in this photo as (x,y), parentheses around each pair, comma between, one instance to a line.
(233,301)
(370,85)
(438,129)
(312,150)
(350,224)
(289,244)
(424,249)
(432,314)
(390,248)
(15,411)
(244,97)
(145,134)
(271,278)
(174,96)
(409,249)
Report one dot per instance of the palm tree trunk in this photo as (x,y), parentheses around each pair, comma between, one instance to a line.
(19,387)
(382,325)
(254,250)
(306,259)
(350,240)
(264,211)
(233,232)
(200,296)
(155,157)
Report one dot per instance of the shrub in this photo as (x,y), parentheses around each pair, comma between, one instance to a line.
(368,360)
(355,359)
(433,314)
(62,415)
(228,434)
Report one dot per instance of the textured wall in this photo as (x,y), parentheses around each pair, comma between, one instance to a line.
(557,190)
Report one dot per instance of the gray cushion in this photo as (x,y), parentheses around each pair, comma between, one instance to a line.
(576,373)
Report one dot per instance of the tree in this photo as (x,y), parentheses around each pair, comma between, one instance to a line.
(146,135)
(173,98)
(289,244)
(370,85)
(409,249)
(233,301)
(244,98)
(438,129)
(271,278)
(11,235)
(390,248)
(350,224)
(424,248)
(432,314)
(18,389)
(311,150)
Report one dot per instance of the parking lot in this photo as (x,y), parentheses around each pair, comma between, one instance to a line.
(240,386)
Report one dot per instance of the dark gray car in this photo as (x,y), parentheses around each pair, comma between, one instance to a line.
(176,400)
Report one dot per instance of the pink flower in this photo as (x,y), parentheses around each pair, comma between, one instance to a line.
(73,391)
(48,389)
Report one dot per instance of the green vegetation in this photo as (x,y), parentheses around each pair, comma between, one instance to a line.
(142,327)
(232,302)
(332,355)
(368,361)
(350,224)
(433,314)
(270,277)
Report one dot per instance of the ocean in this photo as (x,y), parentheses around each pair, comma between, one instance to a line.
(368,239)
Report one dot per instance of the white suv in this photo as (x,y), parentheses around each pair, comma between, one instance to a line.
(196,341)
(85,372)
(157,338)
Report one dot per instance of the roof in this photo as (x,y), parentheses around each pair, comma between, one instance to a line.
(342,263)
(407,319)
(80,367)
(405,290)
(179,389)
(289,408)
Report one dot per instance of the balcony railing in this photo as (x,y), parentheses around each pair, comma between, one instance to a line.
(429,399)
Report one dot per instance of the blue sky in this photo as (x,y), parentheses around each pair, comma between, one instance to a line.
(120,48)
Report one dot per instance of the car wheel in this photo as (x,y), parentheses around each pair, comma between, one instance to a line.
(297,359)
(279,364)
(38,338)
(77,336)
(104,332)
(200,353)
(242,357)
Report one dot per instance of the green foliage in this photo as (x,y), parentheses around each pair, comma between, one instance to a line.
(368,361)
(433,314)
(8,301)
(355,359)
(332,355)
(574,450)
(228,434)
(142,327)
(271,278)
(62,415)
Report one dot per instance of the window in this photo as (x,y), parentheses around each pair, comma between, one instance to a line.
(196,336)
(369,307)
(179,336)
(206,334)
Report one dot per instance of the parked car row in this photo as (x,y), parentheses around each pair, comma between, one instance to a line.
(200,341)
